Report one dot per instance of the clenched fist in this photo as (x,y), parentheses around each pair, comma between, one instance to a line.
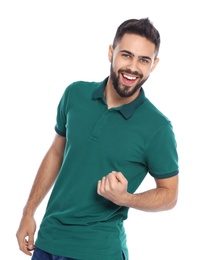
(113,187)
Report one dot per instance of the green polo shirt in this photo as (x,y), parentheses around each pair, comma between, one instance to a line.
(134,139)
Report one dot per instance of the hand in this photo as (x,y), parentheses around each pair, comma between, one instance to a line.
(113,187)
(25,234)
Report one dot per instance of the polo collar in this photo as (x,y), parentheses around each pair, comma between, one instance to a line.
(126,110)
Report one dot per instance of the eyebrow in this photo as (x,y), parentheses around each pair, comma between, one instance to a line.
(132,54)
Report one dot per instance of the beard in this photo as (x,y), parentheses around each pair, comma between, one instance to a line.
(124,90)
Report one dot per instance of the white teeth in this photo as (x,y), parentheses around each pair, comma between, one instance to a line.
(129,77)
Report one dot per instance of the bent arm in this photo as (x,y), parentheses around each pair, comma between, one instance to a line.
(164,197)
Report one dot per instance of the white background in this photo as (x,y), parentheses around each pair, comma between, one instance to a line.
(45,46)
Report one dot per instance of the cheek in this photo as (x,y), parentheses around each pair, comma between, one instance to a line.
(146,71)
(118,64)
(114,65)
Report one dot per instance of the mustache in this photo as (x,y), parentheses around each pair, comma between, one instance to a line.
(134,73)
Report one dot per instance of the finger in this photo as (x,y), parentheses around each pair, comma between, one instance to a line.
(30,247)
(103,183)
(24,247)
(31,242)
(112,178)
(21,241)
(100,186)
(120,177)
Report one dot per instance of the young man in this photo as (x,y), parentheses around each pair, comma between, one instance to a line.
(108,137)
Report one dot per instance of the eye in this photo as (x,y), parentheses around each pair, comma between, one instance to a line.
(144,61)
(126,55)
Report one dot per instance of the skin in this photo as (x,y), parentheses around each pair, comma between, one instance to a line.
(133,53)
(44,180)
(133,57)
(137,54)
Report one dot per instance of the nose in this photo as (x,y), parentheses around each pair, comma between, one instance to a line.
(132,65)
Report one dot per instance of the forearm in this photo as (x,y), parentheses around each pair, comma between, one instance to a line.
(44,180)
(164,197)
(158,199)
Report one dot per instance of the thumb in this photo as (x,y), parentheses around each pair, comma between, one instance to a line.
(31,242)
(120,177)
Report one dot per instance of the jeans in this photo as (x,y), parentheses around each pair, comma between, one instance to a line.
(42,255)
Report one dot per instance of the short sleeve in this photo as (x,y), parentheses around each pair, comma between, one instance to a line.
(161,153)
(61,117)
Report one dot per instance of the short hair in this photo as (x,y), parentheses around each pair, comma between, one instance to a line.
(142,27)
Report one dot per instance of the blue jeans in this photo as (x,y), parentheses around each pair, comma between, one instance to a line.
(42,255)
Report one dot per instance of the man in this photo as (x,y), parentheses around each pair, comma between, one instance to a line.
(108,137)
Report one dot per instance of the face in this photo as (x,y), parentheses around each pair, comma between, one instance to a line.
(132,61)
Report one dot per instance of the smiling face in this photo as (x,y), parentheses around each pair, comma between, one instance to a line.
(132,61)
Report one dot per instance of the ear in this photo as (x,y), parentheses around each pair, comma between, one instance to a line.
(155,64)
(110,52)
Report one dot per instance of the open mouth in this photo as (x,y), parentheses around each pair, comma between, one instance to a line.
(129,79)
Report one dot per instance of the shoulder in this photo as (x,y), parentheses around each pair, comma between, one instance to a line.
(153,121)
(153,113)
(81,86)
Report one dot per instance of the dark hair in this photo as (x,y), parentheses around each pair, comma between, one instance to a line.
(142,27)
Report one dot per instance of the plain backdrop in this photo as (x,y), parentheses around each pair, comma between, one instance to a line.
(45,46)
